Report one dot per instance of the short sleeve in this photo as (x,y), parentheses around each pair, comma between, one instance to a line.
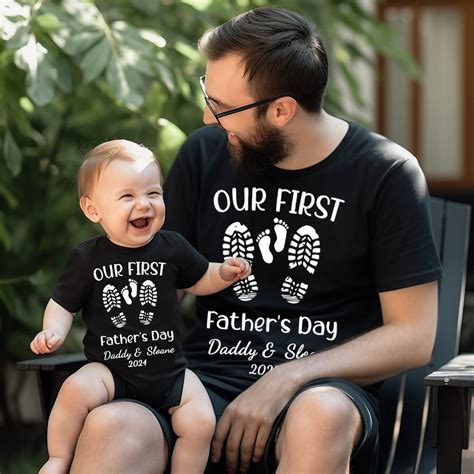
(181,195)
(403,251)
(190,263)
(73,287)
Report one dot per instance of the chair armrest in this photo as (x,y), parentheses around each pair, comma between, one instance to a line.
(458,372)
(51,371)
(450,389)
(69,362)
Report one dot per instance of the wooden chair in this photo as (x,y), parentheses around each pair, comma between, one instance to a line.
(405,445)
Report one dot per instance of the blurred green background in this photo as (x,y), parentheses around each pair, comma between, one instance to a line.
(74,73)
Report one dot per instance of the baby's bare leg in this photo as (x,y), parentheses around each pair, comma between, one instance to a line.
(193,423)
(86,389)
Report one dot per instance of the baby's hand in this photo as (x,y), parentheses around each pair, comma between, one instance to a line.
(234,269)
(46,341)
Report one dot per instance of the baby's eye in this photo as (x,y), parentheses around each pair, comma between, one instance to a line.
(154,193)
(126,196)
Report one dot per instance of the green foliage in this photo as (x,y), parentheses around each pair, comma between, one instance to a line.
(74,73)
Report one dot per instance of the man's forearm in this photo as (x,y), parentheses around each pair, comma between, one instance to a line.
(405,340)
(364,360)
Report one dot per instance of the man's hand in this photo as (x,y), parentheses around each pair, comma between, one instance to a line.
(47,341)
(247,421)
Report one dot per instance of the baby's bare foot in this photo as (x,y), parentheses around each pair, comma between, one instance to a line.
(55,466)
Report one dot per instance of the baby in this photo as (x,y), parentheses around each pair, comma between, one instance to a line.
(125,282)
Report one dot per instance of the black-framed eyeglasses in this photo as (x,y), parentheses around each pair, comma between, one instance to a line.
(213,106)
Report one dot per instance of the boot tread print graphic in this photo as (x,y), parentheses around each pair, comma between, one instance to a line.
(239,243)
(148,296)
(148,293)
(246,289)
(110,298)
(145,317)
(304,249)
(293,292)
(119,320)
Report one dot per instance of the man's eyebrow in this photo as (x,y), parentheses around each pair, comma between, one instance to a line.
(220,103)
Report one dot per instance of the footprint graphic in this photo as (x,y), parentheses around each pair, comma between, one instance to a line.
(148,293)
(264,241)
(110,297)
(281,231)
(126,295)
(119,320)
(304,249)
(293,292)
(238,242)
(246,289)
(133,287)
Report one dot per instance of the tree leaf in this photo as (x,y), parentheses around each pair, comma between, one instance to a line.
(39,278)
(26,57)
(18,116)
(10,14)
(201,5)
(12,153)
(133,59)
(11,8)
(153,37)
(7,296)
(171,137)
(49,22)
(64,76)
(81,42)
(9,197)
(125,81)
(20,38)
(131,36)
(95,60)
(5,237)
(166,76)
(84,12)
(41,86)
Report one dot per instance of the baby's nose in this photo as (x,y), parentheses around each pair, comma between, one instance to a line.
(143,202)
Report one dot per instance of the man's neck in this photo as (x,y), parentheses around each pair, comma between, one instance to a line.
(314,137)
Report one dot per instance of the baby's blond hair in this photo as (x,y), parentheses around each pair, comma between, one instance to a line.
(102,155)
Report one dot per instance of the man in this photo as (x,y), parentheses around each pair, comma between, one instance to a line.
(343,292)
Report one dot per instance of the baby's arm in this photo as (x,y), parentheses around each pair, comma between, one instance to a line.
(221,275)
(56,325)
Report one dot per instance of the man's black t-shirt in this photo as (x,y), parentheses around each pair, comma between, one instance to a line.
(129,303)
(323,241)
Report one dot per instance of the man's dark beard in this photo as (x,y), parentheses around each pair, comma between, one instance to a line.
(270,147)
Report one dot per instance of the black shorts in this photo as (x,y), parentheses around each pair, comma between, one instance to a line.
(364,457)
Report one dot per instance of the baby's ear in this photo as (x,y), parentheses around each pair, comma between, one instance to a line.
(89,209)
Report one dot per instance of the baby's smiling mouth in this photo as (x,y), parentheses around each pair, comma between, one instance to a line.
(140,223)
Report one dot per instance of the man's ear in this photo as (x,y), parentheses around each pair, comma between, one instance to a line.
(89,209)
(282,110)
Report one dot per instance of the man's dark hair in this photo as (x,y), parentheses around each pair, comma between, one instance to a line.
(282,53)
